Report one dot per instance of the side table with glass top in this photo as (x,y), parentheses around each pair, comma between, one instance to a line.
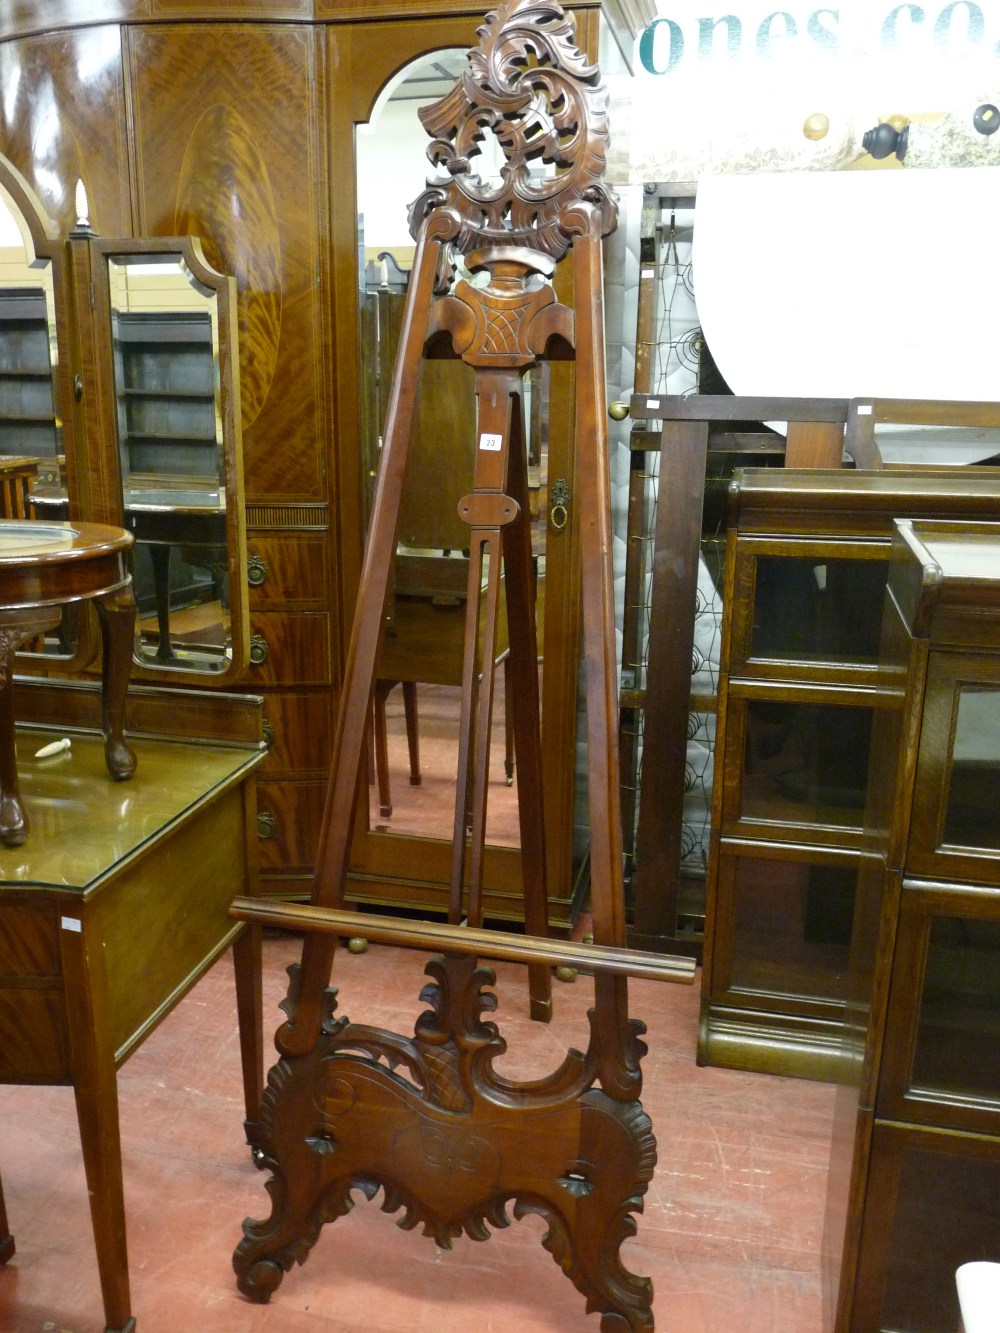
(44,567)
(113,909)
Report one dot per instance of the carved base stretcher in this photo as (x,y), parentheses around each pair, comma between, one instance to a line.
(426,1118)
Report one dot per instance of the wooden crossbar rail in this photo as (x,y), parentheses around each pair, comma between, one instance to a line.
(496,944)
(723,407)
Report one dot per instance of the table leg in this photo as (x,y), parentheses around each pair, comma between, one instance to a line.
(95,1087)
(16,627)
(508,723)
(412,730)
(247,964)
(159,557)
(13,820)
(116,612)
(382,689)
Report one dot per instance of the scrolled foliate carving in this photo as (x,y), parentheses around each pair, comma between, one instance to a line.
(453,1147)
(528,85)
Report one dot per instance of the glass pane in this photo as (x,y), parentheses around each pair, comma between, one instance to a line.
(958,1033)
(806,763)
(165,328)
(947,1213)
(972,811)
(792,927)
(818,610)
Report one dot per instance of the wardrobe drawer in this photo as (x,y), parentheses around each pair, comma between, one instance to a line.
(288,820)
(299,732)
(289,648)
(287,570)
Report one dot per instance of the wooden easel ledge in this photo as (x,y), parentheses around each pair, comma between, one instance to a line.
(493,944)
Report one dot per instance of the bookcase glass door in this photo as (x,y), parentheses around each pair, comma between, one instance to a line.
(942,1057)
(956,1053)
(972,803)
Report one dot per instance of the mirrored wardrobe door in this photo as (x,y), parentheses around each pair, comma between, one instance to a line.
(404,856)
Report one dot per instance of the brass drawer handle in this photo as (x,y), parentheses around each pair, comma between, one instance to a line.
(257,571)
(258,649)
(266,824)
(268,730)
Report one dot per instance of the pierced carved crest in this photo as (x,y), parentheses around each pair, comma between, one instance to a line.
(529,86)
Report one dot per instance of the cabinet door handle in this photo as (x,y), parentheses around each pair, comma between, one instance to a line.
(259,649)
(559,504)
(266,824)
(268,729)
(257,571)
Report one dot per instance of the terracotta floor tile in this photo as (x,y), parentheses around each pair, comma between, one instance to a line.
(730,1233)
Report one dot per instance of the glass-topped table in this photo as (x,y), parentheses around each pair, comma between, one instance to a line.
(43,567)
(109,913)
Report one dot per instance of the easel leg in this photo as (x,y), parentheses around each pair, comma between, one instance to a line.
(521,680)
(498,530)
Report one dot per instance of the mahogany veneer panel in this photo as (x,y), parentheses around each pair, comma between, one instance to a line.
(297,570)
(85,123)
(243,173)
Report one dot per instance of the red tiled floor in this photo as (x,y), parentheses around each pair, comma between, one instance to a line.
(428,810)
(730,1234)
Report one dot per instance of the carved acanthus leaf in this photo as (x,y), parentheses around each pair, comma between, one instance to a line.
(529,86)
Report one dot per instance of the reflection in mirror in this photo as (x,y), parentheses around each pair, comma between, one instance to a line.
(166,355)
(418,691)
(32,459)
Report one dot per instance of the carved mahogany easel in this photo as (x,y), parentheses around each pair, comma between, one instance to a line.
(427,1118)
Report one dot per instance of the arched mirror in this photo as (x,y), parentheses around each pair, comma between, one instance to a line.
(417,697)
(34,472)
(168,322)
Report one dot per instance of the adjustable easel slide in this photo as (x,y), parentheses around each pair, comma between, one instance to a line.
(350,1107)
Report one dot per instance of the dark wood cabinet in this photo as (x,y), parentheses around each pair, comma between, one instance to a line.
(800,700)
(915,1170)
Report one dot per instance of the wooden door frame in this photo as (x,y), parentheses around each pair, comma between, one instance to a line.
(361,58)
